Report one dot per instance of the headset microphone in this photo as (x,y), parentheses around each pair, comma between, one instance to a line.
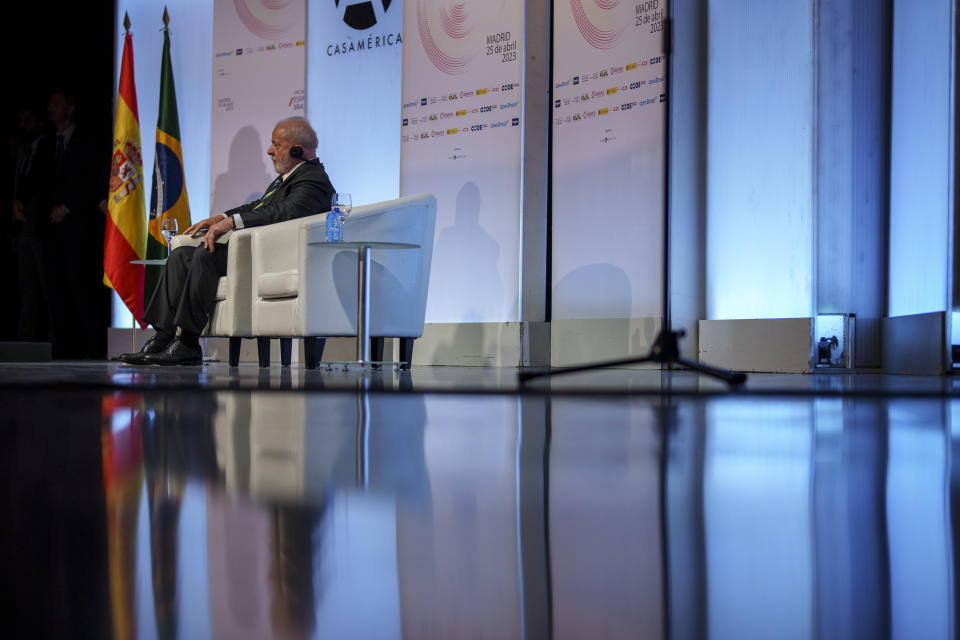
(296,151)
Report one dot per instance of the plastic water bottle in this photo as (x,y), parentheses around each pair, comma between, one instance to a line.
(335,225)
(341,205)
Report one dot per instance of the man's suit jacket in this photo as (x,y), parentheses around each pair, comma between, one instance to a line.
(306,192)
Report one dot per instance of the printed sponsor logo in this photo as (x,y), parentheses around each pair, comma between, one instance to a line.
(433,116)
(604,74)
(285,45)
(364,44)
(482,92)
(446,114)
(556,104)
(451,132)
(239,52)
(466,94)
(560,85)
(271,47)
(598,94)
(514,122)
(576,79)
(461,112)
(452,96)
(434,134)
(487,108)
(510,105)
(602,112)
(611,91)
(224,54)
(301,43)
(408,105)
(663,97)
(423,102)
(477,127)
(495,125)
(638,84)
(361,15)
(509,87)
(406,121)
(616,69)
(631,66)
(656,60)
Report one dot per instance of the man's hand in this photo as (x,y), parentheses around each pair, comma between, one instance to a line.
(17,210)
(216,230)
(58,213)
(194,229)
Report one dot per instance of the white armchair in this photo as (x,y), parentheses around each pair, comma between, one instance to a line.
(310,291)
(232,313)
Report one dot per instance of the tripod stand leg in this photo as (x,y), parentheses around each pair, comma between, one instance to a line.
(730,377)
(523,376)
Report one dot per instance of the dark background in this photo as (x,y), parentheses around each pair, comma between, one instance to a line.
(53,46)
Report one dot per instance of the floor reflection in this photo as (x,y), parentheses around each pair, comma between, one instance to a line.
(270,514)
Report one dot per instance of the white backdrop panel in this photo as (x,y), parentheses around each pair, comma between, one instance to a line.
(921,186)
(461,141)
(191,48)
(259,75)
(760,160)
(353,94)
(608,158)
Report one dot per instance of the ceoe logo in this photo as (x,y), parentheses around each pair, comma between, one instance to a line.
(361,15)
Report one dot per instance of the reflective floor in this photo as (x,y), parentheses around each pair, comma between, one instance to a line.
(131,511)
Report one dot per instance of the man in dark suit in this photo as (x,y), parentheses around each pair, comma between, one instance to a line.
(186,293)
(58,203)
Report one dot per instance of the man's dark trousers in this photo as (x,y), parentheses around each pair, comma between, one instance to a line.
(187,290)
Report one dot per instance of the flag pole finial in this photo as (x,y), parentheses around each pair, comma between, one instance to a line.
(166,17)
(126,22)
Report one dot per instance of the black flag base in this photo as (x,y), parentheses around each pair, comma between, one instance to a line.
(664,351)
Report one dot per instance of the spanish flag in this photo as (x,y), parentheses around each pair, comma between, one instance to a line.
(168,198)
(126,238)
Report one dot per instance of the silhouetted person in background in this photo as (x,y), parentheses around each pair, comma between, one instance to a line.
(60,200)
(22,146)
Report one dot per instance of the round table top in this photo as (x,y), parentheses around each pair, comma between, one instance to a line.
(157,262)
(373,244)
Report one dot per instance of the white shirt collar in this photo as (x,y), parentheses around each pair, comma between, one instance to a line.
(287,174)
(67,133)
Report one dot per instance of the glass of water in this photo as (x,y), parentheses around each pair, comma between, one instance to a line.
(340,209)
(168,229)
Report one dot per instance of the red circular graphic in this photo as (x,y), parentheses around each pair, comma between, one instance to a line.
(598,37)
(267,19)
(454,23)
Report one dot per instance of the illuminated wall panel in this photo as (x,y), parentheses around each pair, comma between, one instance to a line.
(760,159)
(921,149)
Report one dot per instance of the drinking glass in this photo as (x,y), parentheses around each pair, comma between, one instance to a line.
(168,229)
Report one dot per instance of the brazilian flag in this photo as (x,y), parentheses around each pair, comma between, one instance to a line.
(168,198)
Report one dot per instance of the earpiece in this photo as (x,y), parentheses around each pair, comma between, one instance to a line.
(296,151)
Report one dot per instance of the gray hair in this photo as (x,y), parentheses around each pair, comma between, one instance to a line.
(300,132)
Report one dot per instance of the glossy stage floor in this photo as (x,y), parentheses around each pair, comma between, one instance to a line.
(204,502)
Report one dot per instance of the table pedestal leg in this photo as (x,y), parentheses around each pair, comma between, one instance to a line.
(363,304)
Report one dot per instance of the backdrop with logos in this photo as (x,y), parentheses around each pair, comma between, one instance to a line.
(353,93)
(259,70)
(461,141)
(609,114)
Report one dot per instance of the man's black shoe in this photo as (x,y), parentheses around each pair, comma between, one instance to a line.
(156,344)
(177,352)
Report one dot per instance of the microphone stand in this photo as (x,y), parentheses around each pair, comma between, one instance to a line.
(664,350)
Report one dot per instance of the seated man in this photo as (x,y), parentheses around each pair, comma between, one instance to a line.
(186,293)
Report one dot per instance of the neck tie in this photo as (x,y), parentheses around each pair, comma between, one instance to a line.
(59,151)
(273,187)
